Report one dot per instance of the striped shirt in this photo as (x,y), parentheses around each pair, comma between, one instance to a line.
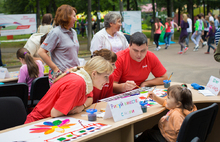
(217,36)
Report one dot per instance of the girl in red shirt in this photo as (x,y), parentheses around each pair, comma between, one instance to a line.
(167,35)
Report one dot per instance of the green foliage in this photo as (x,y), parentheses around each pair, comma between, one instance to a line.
(144,26)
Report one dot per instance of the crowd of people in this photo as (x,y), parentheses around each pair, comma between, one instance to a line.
(116,66)
(205,31)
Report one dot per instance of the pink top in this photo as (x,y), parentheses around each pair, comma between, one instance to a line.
(159,30)
(23,76)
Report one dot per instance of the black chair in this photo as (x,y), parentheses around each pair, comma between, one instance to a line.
(39,88)
(15,89)
(198,124)
(196,139)
(13,112)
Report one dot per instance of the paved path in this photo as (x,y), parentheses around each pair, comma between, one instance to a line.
(191,67)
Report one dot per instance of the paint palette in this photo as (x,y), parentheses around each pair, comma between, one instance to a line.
(125,95)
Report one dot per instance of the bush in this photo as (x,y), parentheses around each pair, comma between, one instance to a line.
(144,26)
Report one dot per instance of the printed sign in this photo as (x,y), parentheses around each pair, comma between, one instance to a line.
(18,24)
(4,73)
(123,108)
(213,85)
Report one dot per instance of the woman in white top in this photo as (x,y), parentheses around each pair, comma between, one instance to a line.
(46,24)
(110,37)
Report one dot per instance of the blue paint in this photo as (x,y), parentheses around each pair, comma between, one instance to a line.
(90,128)
(48,123)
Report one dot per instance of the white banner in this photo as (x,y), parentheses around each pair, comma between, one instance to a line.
(132,21)
(18,24)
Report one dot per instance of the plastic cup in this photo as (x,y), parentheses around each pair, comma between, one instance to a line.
(144,106)
(91,114)
(166,83)
(46,69)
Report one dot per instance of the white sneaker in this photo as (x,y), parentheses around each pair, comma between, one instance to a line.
(196,48)
(204,43)
(156,49)
(159,47)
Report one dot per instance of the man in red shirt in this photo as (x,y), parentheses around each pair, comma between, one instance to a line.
(134,65)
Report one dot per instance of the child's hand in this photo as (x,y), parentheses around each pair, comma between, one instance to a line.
(151,95)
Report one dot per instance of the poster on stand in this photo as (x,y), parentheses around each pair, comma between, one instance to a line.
(18,24)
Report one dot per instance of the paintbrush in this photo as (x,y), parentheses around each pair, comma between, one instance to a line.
(170,76)
(95,105)
(140,88)
(149,94)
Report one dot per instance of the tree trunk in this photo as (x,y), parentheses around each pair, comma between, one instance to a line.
(121,11)
(171,8)
(54,5)
(42,11)
(207,8)
(179,15)
(89,26)
(152,27)
(98,10)
(136,5)
(168,8)
(38,12)
(128,5)
(113,8)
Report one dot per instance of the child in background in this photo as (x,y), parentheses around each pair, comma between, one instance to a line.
(167,35)
(157,32)
(30,68)
(179,102)
(211,36)
(183,35)
(199,28)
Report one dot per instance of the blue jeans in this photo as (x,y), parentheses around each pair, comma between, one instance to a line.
(171,37)
(187,38)
(167,37)
(211,41)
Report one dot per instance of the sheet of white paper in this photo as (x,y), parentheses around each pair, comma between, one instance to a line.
(74,131)
(206,93)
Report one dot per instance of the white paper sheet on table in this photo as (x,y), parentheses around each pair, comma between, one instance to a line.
(206,93)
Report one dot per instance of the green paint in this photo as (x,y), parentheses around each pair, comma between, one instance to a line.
(82,131)
(143,92)
(152,103)
(69,135)
(61,139)
(57,122)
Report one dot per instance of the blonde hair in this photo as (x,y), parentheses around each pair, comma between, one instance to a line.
(97,63)
(207,18)
(185,17)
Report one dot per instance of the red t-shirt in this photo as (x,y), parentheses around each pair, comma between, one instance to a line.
(107,90)
(64,95)
(129,69)
(168,27)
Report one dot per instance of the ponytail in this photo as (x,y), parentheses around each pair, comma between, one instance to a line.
(33,70)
